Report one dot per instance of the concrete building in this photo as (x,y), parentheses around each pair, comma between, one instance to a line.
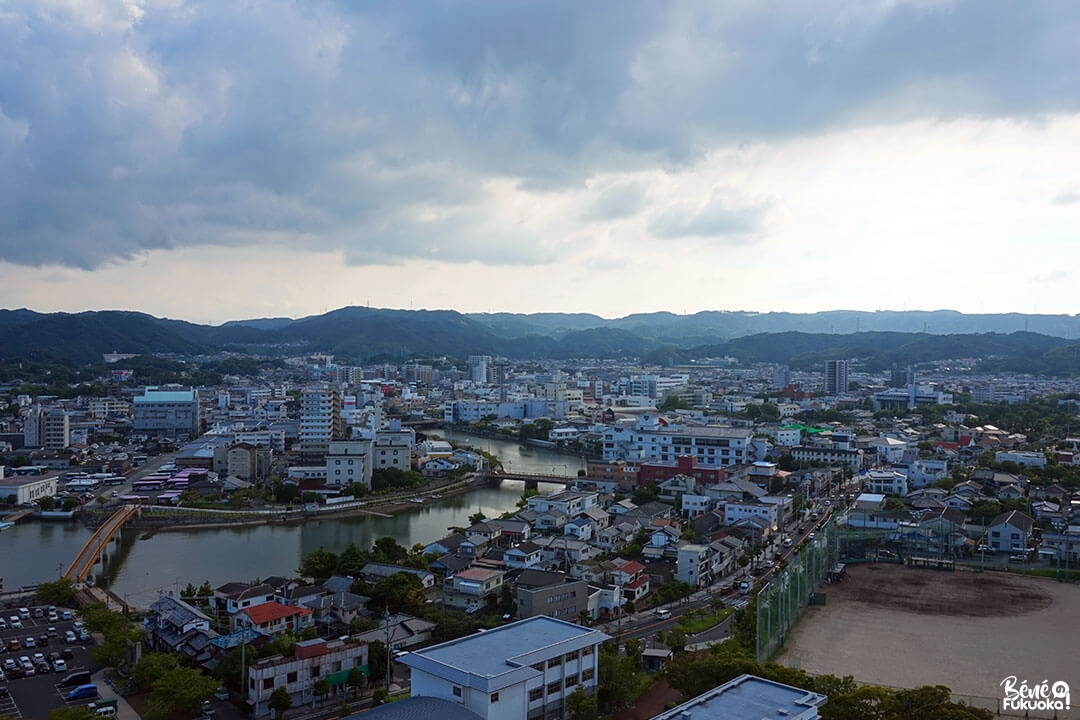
(648,439)
(836,377)
(27,489)
(748,697)
(169,412)
(524,670)
(886,482)
(320,421)
(554,594)
(349,461)
(312,660)
(56,429)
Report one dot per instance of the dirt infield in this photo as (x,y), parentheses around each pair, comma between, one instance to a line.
(904,627)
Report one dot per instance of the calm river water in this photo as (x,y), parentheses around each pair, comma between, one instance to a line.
(140,569)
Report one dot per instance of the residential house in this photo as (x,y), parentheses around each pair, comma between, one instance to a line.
(473,589)
(523,556)
(1010,532)
(171,622)
(271,618)
(404,631)
(233,597)
(375,571)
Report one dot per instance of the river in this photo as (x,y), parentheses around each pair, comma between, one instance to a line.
(138,570)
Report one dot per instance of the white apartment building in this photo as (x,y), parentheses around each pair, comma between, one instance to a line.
(569,502)
(521,671)
(320,420)
(101,408)
(648,439)
(349,461)
(886,482)
(736,511)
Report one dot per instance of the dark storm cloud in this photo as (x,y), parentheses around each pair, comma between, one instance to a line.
(211,122)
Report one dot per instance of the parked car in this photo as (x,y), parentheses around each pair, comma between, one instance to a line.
(59,665)
(15,622)
(24,613)
(38,613)
(69,637)
(3,624)
(66,615)
(30,642)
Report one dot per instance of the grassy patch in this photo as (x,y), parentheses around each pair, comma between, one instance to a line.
(695,622)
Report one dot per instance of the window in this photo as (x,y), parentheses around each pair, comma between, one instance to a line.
(554,687)
(571,681)
(536,694)
(457,691)
(586,651)
(572,655)
(554,662)
(494,697)
(538,666)
(587,674)
(291,677)
(268,683)
(315,670)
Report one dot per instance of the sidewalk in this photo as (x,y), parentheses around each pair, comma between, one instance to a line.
(124,711)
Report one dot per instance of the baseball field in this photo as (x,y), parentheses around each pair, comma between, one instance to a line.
(904,627)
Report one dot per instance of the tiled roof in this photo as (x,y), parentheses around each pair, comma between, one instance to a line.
(271,611)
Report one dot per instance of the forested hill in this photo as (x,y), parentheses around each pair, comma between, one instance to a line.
(362,335)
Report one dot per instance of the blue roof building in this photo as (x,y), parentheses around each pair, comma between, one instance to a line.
(749,697)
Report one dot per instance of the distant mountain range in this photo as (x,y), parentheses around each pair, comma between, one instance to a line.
(1033,343)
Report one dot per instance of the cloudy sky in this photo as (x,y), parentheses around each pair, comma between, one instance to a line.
(218,160)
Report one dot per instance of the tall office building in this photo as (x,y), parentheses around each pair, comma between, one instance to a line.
(836,377)
(478,368)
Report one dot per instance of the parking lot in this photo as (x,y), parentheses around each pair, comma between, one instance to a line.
(36,695)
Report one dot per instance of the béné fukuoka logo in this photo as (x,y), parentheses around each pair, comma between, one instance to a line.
(1037,696)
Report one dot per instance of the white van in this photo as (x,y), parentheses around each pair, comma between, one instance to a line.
(663,612)
(744,587)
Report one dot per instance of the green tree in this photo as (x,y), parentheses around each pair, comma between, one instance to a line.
(476,517)
(395,591)
(581,705)
(506,599)
(47,503)
(672,403)
(377,661)
(150,668)
(356,680)
(280,700)
(388,549)
(56,592)
(181,689)
(321,688)
(675,639)
(894,505)
(318,565)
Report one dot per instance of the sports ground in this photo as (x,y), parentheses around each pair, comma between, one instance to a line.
(904,627)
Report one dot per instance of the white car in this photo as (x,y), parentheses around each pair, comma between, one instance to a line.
(69,637)
(15,622)
(38,658)
(10,664)
(3,624)
(24,613)
(59,665)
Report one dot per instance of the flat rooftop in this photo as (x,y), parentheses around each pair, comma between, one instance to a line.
(749,697)
(503,651)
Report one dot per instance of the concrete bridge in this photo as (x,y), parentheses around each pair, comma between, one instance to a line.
(531,480)
(80,567)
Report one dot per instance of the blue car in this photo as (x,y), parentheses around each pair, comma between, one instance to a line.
(83,692)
